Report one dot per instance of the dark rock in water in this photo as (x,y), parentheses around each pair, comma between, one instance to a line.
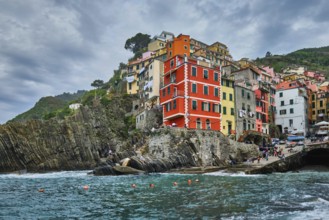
(104,170)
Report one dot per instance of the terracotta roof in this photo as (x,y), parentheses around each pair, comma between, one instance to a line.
(288,85)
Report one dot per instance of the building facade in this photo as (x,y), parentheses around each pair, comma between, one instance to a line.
(190,94)
(227,106)
(292,107)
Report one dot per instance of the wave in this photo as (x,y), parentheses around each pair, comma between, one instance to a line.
(226,173)
(61,174)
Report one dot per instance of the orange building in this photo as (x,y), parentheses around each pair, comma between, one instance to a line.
(190,94)
(180,45)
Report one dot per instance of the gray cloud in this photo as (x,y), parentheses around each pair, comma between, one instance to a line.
(56,46)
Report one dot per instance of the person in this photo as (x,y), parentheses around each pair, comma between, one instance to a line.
(266,155)
(258,158)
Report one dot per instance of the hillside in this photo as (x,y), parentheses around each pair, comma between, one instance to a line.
(47,105)
(314,59)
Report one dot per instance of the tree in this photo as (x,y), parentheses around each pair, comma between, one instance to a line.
(137,43)
(97,84)
(268,54)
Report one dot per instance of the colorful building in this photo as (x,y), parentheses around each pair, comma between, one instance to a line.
(292,107)
(135,67)
(228,106)
(190,94)
(180,45)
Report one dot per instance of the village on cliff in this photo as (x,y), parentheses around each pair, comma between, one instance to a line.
(200,86)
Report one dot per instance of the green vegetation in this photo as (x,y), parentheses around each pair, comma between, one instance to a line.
(314,59)
(48,107)
(138,44)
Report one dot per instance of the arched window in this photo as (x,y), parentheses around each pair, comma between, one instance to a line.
(208,124)
(198,123)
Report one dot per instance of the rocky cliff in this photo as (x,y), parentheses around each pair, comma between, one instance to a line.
(100,137)
(172,148)
(78,142)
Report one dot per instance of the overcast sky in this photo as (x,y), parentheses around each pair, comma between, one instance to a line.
(48,47)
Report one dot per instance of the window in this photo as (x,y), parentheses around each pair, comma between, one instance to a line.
(313,104)
(232,111)
(313,97)
(205,90)
(244,124)
(283,112)
(198,123)
(168,106)
(137,67)
(243,106)
(248,95)
(291,101)
(172,63)
(206,106)
(194,104)
(227,83)
(224,110)
(242,92)
(185,47)
(313,112)
(222,82)
(231,97)
(130,86)
(216,108)
(216,76)
(205,74)
(282,103)
(291,122)
(291,111)
(170,45)
(193,71)
(194,87)
(224,95)
(168,90)
(174,104)
(216,92)
(281,94)
(208,124)
(170,53)
(321,103)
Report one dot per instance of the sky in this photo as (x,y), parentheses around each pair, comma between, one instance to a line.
(48,47)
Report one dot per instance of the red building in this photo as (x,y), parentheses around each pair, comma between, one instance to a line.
(190,94)
(262,95)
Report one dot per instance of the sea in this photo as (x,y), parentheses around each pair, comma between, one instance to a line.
(219,195)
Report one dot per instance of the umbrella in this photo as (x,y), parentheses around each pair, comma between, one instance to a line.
(322,123)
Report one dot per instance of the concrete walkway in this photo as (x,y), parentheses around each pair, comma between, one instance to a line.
(272,159)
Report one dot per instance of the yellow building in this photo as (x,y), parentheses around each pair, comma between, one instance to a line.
(136,67)
(156,45)
(227,104)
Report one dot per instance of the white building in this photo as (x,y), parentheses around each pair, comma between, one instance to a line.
(291,107)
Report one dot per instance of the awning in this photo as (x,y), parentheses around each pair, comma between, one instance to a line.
(295,138)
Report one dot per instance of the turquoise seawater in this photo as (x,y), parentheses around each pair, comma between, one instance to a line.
(303,195)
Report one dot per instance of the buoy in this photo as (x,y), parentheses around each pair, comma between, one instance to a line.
(175,183)
(189,182)
(197,180)
(133,185)
(41,190)
(151,185)
(86,187)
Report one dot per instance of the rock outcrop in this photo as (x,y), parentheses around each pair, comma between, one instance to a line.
(98,137)
(78,142)
(172,148)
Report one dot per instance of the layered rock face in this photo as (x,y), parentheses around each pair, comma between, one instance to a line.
(98,137)
(171,148)
(78,142)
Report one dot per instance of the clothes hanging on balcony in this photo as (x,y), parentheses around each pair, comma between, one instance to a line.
(130,79)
